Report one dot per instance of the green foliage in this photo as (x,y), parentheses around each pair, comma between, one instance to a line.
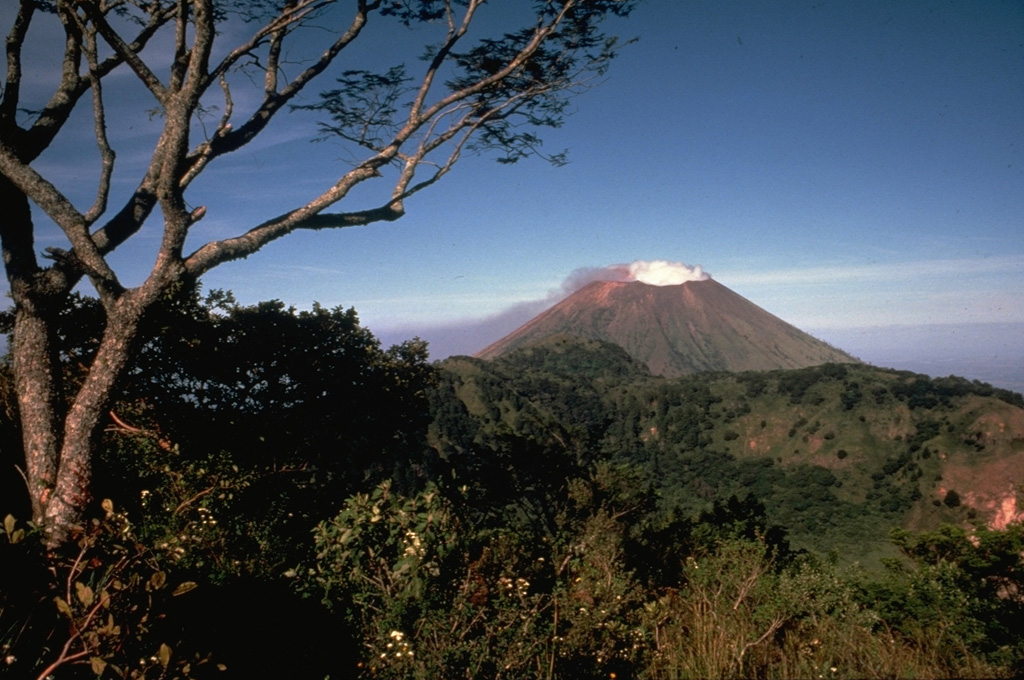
(240,427)
(214,375)
(236,430)
(189,506)
(957,596)
(394,543)
(729,607)
(920,391)
(515,604)
(572,517)
(854,460)
(431,597)
(576,358)
(972,583)
(97,605)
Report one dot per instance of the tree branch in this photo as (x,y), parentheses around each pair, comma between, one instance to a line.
(228,139)
(475,116)
(131,216)
(124,51)
(180,61)
(172,149)
(11,94)
(66,216)
(122,427)
(454,35)
(141,203)
(71,88)
(521,76)
(107,155)
(274,54)
(307,217)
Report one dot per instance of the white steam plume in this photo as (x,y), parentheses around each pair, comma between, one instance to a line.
(659,272)
(664,273)
(653,272)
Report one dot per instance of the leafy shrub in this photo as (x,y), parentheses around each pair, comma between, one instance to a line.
(430,598)
(96,605)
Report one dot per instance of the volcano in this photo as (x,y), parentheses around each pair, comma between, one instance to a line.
(676,330)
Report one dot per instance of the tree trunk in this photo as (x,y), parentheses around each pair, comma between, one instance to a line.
(37,381)
(37,374)
(71,493)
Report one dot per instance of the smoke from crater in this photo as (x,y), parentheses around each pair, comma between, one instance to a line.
(651,272)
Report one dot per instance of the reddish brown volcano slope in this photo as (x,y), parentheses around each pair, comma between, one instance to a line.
(676,330)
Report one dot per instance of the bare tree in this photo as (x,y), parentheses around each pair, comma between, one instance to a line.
(405,128)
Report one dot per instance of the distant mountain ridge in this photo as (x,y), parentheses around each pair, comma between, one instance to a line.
(676,330)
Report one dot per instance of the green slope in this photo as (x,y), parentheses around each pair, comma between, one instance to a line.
(840,454)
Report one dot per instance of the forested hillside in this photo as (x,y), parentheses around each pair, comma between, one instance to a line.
(839,454)
(278,495)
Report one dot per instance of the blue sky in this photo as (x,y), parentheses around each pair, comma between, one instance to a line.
(846,166)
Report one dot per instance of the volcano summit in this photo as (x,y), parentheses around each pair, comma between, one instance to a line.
(676,329)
